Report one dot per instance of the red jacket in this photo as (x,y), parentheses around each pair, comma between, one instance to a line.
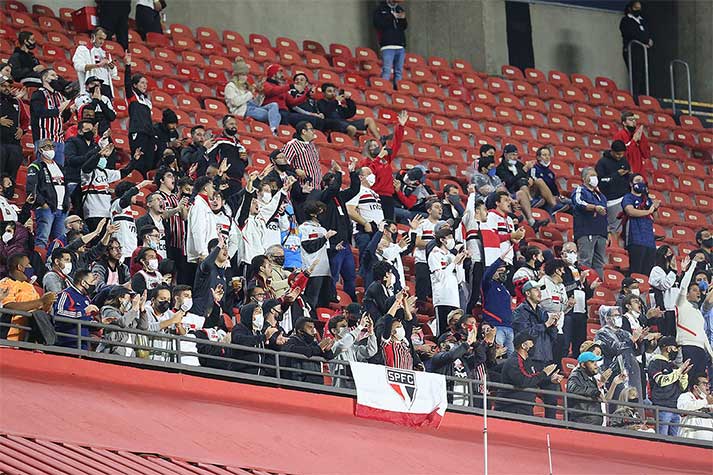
(280,94)
(637,154)
(381,167)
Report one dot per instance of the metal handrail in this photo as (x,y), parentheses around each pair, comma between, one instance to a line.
(279,368)
(631,66)
(673,86)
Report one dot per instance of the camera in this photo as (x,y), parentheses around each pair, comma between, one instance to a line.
(399,9)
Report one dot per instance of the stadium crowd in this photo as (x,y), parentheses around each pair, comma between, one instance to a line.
(188,236)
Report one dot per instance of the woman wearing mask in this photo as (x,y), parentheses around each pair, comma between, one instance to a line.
(530,272)
(245,99)
(148,277)
(663,280)
(124,310)
(638,226)
(447,274)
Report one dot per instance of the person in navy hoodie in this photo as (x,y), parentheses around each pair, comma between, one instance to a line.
(638,226)
(590,222)
(497,306)
(555,201)
(74,302)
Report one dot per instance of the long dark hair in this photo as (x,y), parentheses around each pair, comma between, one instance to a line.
(661,260)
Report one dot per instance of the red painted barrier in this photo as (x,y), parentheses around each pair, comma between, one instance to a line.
(194,418)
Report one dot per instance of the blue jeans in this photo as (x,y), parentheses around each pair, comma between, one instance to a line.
(362,239)
(58,152)
(269,114)
(504,337)
(342,263)
(393,61)
(50,225)
(664,419)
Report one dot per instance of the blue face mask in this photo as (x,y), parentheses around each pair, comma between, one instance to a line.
(703,285)
(491,172)
(640,188)
(102,163)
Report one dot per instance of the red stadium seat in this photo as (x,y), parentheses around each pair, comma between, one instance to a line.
(535,104)
(560,107)
(605,83)
(336,49)
(558,78)
(599,97)
(313,47)
(664,120)
(534,76)
(512,72)
(480,112)
(497,85)
(649,104)
(582,82)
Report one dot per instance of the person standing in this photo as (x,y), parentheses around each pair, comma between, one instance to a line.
(390,23)
(26,68)
(638,151)
(590,222)
(14,120)
(148,16)
(633,27)
(690,324)
(668,381)
(497,305)
(447,274)
(583,382)
(365,210)
(579,288)
(95,62)
(302,154)
(48,112)
(114,19)
(638,226)
(613,171)
(315,245)
(227,147)
(424,235)
(141,132)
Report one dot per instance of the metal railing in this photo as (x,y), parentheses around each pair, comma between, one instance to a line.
(673,84)
(631,66)
(283,369)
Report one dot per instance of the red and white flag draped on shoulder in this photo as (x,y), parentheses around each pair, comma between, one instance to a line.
(410,398)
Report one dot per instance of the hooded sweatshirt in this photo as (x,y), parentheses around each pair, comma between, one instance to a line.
(244,334)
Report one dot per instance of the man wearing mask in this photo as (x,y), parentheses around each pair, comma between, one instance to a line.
(633,28)
(698,399)
(228,148)
(638,151)
(302,154)
(579,288)
(194,155)
(590,222)
(668,382)
(201,226)
(690,324)
(704,239)
(45,181)
(556,301)
(396,328)
(74,302)
(531,271)
(356,344)
(167,136)
(174,222)
(49,110)
(26,67)
(379,159)
(248,333)
(282,169)
(123,216)
(303,341)
(424,235)
(614,171)
(452,206)
(521,372)
(60,276)
(148,277)
(155,213)
(497,306)
(315,246)
(638,226)
(390,23)
(484,175)
(507,240)
(582,382)
(278,275)
(530,317)
(14,120)
(365,210)
(93,61)
(447,274)
(475,226)
(93,100)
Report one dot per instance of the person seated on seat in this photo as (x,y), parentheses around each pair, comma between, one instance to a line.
(338,105)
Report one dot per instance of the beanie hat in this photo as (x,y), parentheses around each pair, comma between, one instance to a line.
(510,148)
(272,70)
(618,146)
(521,338)
(169,117)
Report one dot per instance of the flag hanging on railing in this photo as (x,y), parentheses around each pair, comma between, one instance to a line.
(411,398)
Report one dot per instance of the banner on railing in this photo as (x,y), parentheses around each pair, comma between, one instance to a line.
(411,398)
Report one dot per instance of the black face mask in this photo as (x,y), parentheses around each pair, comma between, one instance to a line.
(57,84)
(89,289)
(282,166)
(454,198)
(538,264)
(306,336)
(231,132)
(279,260)
(31,46)
(707,242)
(279,317)
(636,12)
(163,306)
(634,400)
(88,136)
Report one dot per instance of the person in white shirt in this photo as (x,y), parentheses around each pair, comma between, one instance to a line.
(474,232)
(424,235)
(663,279)
(123,216)
(365,210)
(96,182)
(499,220)
(690,324)
(447,274)
(315,243)
(162,321)
(202,226)
(698,399)
(225,225)
(355,344)
(556,301)
(93,60)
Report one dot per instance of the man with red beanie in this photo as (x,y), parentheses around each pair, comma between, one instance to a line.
(638,151)
(277,90)
(378,158)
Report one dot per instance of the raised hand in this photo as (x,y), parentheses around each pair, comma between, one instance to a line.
(403,117)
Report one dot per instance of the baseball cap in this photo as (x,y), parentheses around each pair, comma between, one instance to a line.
(588,356)
(531,284)
(521,338)
(588,346)
(667,341)
(510,148)
(4,79)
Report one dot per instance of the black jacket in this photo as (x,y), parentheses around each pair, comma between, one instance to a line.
(520,373)
(375,301)
(336,216)
(513,182)
(76,153)
(23,64)
(611,184)
(307,346)
(194,153)
(532,320)
(663,392)
(581,384)
(391,31)
(243,334)
(12,109)
(631,30)
(163,136)
(39,183)
(139,107)
(333,110)
(230,149)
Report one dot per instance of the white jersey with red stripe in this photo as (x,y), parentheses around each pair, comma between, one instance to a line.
(310,230)
(97,193)
(368,205)
(126,235)
(425,232)
(502,226)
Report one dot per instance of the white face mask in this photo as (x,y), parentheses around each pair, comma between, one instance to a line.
(593,181)
(258,321)
(450,243)
(371,179)
(153,264)
(48,154)
(266,197)
(570,257)
(617,321)
(636,292)
(66,268)
(7,236)
(512,162)
(343,331)
(187,304)
(400,333)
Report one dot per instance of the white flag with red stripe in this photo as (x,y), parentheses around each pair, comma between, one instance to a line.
(411,398)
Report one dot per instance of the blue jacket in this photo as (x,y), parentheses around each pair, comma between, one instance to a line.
(71,303)
(638,231)
(532,321)
(547,175)
(497,306)
(588,223)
